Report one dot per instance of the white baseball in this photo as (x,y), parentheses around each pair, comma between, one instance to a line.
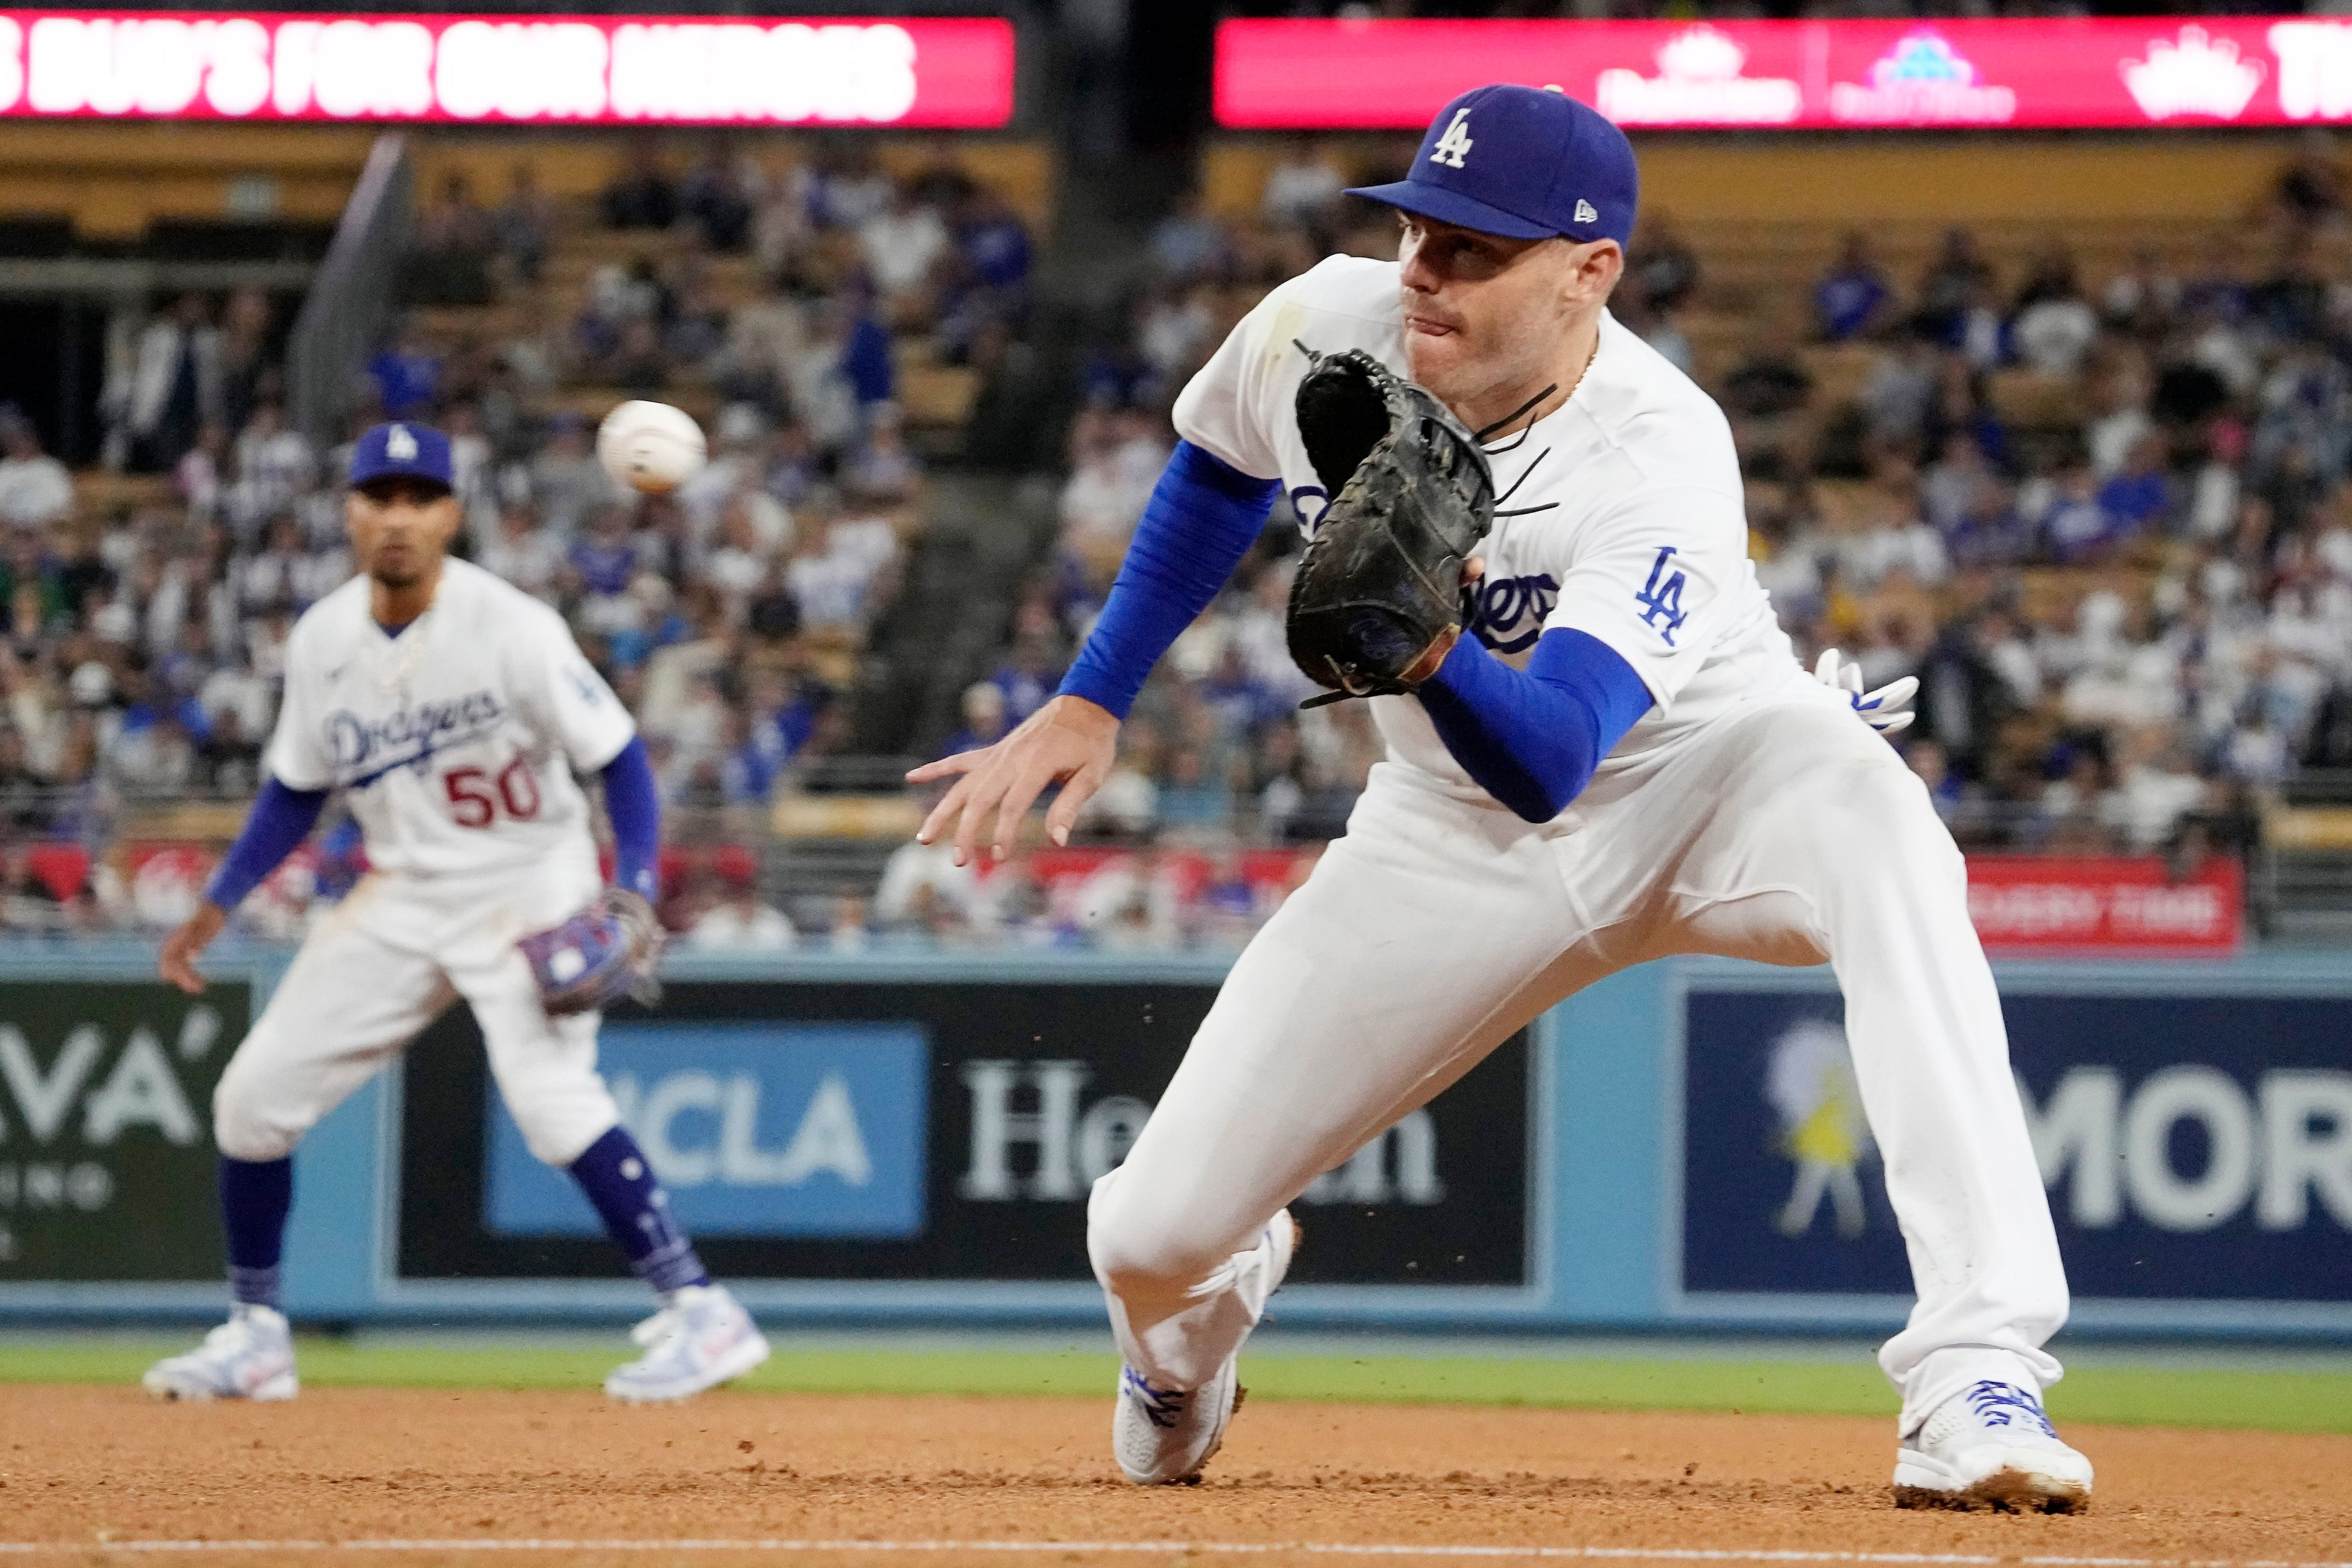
(650,447)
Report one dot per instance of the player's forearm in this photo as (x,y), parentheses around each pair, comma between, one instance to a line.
(1202,517)
(280,819)
(1532,738)
(633,803)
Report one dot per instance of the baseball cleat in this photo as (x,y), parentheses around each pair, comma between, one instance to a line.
(251,1356)
(1163,1437)
(1991,1447)
(701,1338)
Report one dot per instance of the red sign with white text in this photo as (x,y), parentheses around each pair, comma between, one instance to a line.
(1941,74)
(535,70)
(2024,904)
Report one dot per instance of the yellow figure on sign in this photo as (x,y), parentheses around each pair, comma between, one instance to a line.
(1810,1085)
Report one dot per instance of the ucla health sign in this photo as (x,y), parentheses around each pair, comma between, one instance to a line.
(754,1129)
(2194,1147)
(1848,74)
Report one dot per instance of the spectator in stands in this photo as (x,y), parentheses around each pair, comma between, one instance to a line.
(456,239)
(1663,267)
(2054,326)
(170,391)
(524,225)
(406,373)
(994,242)
(1959,275)
(642,195)
(36,492)
(2311,188)
(1853,297)
(1189,243)
(714,198)
(901,244)
(1305,188)
(248,366)
(739,922)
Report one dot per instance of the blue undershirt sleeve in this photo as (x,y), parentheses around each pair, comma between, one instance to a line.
(633,803)
(280,819)
(1532,738)
(1202,517)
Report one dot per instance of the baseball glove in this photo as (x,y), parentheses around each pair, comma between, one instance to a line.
(1378,598)
(604,953)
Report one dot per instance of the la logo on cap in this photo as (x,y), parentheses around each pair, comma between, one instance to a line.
(399,445)
(1452,146)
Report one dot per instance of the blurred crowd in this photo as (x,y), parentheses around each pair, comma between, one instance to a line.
(146,618)
(2104,515)
(2100,504)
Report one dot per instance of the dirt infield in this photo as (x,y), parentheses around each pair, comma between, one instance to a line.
(82,1467)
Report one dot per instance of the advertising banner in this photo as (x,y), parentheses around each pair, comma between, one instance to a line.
(924,1131)
(2116,906)
(2194,1147)
(513,70)
(106,1151)
(1858,75)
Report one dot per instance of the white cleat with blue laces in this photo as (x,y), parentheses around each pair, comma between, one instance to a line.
(1163,1437)
(1992,1446)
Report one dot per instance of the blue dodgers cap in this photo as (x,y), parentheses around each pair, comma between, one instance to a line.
(1523,161)
(403,451)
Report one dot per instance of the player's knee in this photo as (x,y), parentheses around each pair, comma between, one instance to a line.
(246,1125)
(558,1135)
(1139,1250)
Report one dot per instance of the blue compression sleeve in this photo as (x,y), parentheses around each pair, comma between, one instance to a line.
(1202,517)
(633,801)
(280,819)
(1532,737)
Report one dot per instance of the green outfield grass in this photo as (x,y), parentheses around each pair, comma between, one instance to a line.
(2276,1401)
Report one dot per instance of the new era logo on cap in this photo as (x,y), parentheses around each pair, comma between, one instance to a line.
(1545,164)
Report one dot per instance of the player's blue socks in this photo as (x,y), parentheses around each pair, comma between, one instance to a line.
(619,1182)
(255,1195)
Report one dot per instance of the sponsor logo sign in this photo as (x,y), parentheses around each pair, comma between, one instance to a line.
(507,69)
(106,1150)
(2193,1147)
(2124,906)
(754,1129)
(2079,71)
(923,1131)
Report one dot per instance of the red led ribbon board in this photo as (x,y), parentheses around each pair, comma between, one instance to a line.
(1956,74)
(2120,906)
(508,70)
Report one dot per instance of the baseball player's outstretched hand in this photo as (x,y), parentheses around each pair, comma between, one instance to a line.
(192,937)
(1070,741)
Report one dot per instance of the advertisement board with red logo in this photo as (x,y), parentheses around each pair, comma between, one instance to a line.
(2105,906)
(941,72)
(1854,75)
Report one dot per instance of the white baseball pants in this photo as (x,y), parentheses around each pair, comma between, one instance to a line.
(379,968)
(1438,927)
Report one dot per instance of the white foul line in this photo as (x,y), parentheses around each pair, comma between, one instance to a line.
(1215,1548)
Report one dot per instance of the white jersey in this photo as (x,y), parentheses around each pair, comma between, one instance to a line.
(454,740)
(1630,524)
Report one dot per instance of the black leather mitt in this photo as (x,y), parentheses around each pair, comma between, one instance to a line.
(1380,587)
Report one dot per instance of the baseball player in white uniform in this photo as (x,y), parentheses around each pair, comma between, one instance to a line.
(450,709)
(1625,761)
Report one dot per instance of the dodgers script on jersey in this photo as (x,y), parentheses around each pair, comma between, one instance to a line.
(454,741)
(1631,526)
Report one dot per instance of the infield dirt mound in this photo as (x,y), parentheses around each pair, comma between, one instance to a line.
(89,1465)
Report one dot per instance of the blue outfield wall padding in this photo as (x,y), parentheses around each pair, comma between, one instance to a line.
(1656,1190)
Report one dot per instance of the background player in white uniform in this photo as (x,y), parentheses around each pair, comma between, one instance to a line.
(1625,761)
(451,709)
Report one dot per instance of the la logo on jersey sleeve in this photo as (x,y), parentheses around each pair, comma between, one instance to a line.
(1661,597)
